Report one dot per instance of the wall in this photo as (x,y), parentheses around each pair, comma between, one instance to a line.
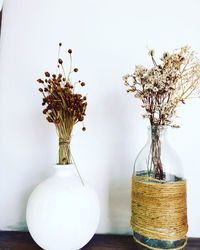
(108,38)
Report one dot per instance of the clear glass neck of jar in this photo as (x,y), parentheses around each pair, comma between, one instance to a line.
(157,159)
(157,131)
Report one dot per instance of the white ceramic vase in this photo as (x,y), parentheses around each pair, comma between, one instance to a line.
(62,213)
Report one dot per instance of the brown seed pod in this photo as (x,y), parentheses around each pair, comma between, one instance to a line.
(47,74)
(40,89)
(57,83)
(58,107)
(44,111)
(60,61)
(75,69)
(48,99)
(53,105)
(49,107)
(49,119)
(40,81)
(83,84)
(84,128)
(57,121)
(84,98)
(67,85)
(64,159)
(69,51)
(60,44)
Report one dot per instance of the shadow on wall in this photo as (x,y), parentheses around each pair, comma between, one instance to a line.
(27,174)
(21,226)
(120,165)
(120,206)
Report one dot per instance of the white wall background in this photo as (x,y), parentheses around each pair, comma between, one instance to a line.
(108,38)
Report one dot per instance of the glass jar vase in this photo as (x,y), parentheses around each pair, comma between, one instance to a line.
(159,209)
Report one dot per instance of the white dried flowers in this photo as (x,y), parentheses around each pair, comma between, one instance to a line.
(165,85)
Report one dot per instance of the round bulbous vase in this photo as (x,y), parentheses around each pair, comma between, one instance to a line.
(62,213)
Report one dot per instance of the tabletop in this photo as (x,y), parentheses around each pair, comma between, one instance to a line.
(23,241)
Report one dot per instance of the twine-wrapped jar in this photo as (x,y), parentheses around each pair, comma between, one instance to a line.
(159,207)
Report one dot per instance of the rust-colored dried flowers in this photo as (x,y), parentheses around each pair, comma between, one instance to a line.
(62,105)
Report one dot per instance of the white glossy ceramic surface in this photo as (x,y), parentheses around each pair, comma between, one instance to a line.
(62,214)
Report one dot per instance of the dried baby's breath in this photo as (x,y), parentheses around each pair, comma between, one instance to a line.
(166,85)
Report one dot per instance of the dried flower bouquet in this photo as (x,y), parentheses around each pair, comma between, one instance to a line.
(64,107)
(161,89)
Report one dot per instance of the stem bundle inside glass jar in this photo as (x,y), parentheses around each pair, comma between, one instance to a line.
(64,107)
(156,153)
(162,88)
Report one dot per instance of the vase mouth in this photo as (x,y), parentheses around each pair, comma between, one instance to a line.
(62,166)
(64,170)
(157,129)
(157,126)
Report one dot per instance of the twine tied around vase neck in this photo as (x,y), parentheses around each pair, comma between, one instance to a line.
(64,141)
(64,150)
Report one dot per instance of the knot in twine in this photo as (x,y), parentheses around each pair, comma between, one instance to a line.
(159,209)
(64,141)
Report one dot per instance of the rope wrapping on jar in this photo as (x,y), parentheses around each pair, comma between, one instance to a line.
(159,209)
